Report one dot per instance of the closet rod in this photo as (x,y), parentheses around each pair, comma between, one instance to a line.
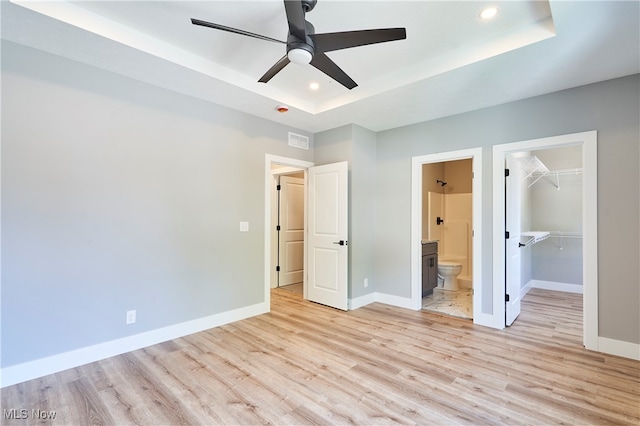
(562,235)
(566,234)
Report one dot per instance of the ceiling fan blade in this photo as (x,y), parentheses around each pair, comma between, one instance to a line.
(233,30)
(327,66)
(275,69)
(295,17)
(328,42)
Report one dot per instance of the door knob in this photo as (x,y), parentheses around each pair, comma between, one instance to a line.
(341,242)
(439,221)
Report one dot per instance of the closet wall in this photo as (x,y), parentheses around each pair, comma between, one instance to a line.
(556,206)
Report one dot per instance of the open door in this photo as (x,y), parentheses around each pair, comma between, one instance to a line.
(512,240)
(290,230)
(327,252)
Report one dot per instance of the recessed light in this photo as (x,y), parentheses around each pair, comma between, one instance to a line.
(314,86)
(489,12)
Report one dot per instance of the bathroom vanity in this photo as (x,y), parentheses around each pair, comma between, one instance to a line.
(429,267)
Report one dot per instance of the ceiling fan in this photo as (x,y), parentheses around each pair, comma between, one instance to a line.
(304,46)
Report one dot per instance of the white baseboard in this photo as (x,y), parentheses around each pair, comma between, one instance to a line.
(524,290)
(41,367)
(551,285)
(400,302)
(619,348)
(361,301)
(387,299)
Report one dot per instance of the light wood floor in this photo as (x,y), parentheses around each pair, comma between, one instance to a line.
(308,364)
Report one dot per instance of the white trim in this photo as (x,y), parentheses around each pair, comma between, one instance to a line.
(361,301)
(588,141)
(416,227)
(292,163)
(551,285)
(44,366)
(619,348)
(400,302)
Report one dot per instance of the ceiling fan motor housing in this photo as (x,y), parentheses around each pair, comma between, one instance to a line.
(307,44)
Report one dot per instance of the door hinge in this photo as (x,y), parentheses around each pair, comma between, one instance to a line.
(506,235)
(278,228)
(506,172)
(279,187)
(506,297)
(278,268)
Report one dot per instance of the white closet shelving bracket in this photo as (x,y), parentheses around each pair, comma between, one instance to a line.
(533,237)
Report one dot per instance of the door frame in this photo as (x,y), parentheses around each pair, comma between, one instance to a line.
(588,141)
(475,154)
(294,164)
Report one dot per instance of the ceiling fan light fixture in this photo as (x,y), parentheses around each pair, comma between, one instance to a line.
(299,56)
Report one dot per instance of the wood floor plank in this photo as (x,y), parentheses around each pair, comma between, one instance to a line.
(305,363)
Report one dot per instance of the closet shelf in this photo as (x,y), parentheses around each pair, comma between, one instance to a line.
(533,237)
(533,168)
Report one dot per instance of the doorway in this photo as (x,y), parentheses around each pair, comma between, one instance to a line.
(447,252)
(325,259)
(475,232)
(276,166)
(588,143)
(288,222)
(544,222)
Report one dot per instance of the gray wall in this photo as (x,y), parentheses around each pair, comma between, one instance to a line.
(612,108)
(356,145)
(118,195)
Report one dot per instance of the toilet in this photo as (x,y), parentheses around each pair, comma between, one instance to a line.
(450,272)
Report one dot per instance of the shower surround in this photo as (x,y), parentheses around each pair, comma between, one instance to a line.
(454,234)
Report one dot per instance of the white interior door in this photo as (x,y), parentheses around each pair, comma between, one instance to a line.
(291,237)
(327,250)
(513,205)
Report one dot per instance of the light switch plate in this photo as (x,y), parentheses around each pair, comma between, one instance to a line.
(244,226)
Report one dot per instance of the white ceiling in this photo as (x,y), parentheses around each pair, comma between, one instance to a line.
(451,62)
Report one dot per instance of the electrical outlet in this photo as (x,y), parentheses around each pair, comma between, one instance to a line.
(131,317)
(366,282)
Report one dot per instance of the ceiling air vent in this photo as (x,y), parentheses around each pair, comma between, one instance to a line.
(299,141)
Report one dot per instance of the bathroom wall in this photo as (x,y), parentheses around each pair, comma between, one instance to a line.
(455,198)
(456,233)
(459,176)
(430,173)
(459,212)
